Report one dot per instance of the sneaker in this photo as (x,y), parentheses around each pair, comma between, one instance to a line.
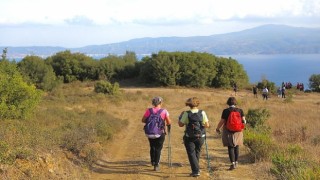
(156,167)
(232,167)
(236,164)
(195,174)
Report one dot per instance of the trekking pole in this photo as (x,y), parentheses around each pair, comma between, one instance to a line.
(208,159)
(169,146)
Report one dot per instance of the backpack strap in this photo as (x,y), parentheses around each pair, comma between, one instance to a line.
(199,112)
(151,111)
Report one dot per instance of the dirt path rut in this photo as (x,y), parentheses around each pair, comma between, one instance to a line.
(127,156)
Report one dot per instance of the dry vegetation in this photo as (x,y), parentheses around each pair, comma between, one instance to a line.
(61,140)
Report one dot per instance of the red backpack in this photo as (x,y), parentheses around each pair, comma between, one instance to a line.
(234,122)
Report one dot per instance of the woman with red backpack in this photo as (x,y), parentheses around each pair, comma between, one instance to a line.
(232,120)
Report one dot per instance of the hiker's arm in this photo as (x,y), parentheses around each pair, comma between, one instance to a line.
(180,124)
(244,121)
(206,124)
(182,119)
(206,120)
(167,119)
(144,119)
(219,125)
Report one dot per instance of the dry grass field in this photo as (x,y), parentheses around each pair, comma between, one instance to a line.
(293,121)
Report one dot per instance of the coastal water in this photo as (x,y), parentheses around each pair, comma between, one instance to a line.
(280,68)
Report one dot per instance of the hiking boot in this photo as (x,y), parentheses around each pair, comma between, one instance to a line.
(232,167)
(156,167)
(195,174)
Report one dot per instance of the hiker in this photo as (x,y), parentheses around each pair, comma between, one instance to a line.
(255,91)
(229,138)
(279,92)
(194,135)
(283,92)
(265,92)
(156,140)
(235,88)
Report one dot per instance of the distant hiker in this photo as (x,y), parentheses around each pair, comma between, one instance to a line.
(255,91)
(279,92)
(301,87)
(195,121)
(232,139)
(265,93)
(283,92)
(155,119)
(235,88)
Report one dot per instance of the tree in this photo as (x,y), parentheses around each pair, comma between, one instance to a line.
(4,54)
(17,98)
(74,66)
(36,71)
(229,71)
(314,82)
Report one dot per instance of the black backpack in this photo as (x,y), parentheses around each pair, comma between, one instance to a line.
(195,128)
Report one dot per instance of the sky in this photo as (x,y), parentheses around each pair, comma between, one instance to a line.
(78,23)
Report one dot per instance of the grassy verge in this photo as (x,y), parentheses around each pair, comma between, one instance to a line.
(66,120)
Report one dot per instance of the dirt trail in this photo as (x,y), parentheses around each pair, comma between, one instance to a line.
(128,155)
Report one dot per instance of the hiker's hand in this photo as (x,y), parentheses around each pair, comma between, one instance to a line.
(169,127)
(218,131)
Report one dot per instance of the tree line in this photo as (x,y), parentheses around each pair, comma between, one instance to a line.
(189,69)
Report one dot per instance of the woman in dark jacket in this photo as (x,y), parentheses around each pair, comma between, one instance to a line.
(231,139)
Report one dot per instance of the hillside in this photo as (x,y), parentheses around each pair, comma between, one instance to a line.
(69,111)
(267,39)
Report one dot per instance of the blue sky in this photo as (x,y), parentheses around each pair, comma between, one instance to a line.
(77,23)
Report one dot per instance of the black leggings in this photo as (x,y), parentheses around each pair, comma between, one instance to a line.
(155,149)
(233,153)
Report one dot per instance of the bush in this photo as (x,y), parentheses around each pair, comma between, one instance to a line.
(260,144)
(107,88)
(257,117)
(17,98)
(292,163)
(6,156)
(257,135)
(37,72)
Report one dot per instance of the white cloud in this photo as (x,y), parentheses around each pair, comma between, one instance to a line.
(129,11)
(83,22)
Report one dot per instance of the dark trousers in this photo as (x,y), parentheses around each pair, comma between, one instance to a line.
(155,149)
(233,153)
(193,148)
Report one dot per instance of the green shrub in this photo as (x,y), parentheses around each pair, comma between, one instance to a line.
(107,87)
(17,98)
(316,140)
(6,157)
(257,117)
(291,163)
(260,144)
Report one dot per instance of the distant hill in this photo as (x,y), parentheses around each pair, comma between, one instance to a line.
(267,39)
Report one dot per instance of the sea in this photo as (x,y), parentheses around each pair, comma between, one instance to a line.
(294,68)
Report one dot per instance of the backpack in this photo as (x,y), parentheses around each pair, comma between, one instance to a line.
(195,128)
(234,122)
(154,126)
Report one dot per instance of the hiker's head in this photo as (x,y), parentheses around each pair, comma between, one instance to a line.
(192,102)
(156,101)
(232,101)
